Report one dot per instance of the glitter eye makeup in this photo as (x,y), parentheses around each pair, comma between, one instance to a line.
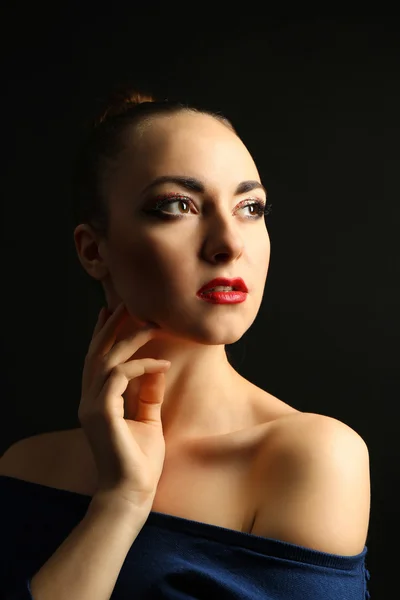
(261,208)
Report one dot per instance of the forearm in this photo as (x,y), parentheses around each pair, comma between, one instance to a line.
(87,564)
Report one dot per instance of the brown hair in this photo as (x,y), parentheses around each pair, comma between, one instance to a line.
(102,145)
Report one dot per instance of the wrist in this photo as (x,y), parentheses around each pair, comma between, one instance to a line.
(116,504)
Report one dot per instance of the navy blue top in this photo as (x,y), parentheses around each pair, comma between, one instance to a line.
(172,558)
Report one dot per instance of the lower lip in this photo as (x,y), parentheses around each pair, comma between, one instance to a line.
(223,297)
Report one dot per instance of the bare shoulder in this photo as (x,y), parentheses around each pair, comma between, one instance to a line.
(35,458)
(307,429)
(314,483)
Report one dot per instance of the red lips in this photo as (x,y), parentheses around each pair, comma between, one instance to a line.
(236,283)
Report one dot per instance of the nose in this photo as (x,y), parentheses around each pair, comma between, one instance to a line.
(223,243)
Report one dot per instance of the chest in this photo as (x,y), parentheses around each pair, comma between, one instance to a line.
(220,494)
(213,483)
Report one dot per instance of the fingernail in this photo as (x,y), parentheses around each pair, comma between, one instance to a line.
(166,363)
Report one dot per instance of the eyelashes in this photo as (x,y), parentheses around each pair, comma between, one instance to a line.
(262,208)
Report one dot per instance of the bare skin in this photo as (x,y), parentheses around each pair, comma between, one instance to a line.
(156,266)
(213,480)
(214,420)
(227,441)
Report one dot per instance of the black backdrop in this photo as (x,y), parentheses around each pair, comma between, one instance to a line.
(317,103)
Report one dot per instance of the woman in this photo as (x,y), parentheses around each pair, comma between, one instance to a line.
(185,479)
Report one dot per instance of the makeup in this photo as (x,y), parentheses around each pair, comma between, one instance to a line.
(234,297)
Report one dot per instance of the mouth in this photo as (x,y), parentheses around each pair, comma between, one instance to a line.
(221,284)
(220,288)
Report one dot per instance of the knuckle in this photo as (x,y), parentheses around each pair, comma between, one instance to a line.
(104,362)
(117,371)
(91,358)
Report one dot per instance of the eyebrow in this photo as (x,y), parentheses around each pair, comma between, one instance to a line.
(195,185)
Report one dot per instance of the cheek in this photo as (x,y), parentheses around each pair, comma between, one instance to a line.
(259,249)
(128,263)
(144,261)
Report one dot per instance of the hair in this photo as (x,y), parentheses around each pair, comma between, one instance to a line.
(103,143)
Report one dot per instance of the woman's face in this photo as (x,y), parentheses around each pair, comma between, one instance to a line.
(157,261)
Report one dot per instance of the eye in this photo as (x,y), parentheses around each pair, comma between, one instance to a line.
(172,200)
(259,207)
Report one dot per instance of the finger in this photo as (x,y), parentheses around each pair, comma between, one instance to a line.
(101,319)
(151,397)
(127,347)
(104,340)
(119,378)
(116,357)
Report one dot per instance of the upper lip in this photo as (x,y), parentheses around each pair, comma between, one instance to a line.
(237,284)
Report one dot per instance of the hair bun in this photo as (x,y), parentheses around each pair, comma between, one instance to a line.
(121,101)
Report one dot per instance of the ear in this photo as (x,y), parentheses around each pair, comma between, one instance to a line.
(91,250)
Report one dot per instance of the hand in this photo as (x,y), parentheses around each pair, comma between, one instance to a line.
(129,454)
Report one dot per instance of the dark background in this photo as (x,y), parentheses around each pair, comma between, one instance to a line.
(317,103)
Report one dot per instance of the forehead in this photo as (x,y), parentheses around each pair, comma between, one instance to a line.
(190,144)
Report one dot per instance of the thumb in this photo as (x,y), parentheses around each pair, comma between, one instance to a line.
(150,398)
